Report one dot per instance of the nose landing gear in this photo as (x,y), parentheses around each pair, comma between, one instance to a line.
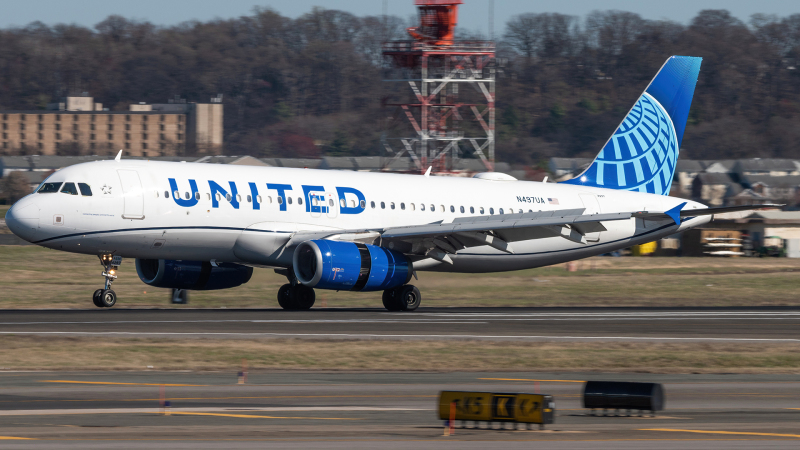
(106,298)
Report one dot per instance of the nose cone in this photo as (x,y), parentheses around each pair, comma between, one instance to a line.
(23,219)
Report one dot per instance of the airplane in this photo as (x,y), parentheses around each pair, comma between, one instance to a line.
(201,227)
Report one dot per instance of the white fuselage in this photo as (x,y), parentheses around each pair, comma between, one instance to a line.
(133,212)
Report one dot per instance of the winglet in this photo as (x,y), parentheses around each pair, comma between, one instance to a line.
(119,156)
(675,213)
(428,172)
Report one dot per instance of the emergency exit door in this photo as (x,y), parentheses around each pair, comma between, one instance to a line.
(132,194)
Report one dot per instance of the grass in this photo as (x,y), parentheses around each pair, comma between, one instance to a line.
(35,277)
(45,353)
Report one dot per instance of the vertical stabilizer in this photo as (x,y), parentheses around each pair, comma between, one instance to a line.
(642,153)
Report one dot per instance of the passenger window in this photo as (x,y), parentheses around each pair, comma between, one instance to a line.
(299,200)
(69,188)
(462,209)
(372,205)
(403,206)
(363,204)
(491,210)
(238,196)
(392,205)
(442,208)
(228,197)
(177,194)
(481,210)
(330,202)
(501,210)
(280,200)
(208,196)
(186,195)
(422,206)
(383,205)
(433,208)
(471,210)
(412,207)
(342,203)
(452,209)
(258,198)
(197,196)
(49,188)
(289,200)
(249,199)
(166,194)
(86,191)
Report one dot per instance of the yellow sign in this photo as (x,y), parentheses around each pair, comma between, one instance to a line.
(487,406)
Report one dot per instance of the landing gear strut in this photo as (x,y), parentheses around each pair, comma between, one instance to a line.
(179,297)
(106,298)
(402,298)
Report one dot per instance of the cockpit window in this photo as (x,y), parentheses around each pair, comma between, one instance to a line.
(48,188)
(69,188)
(86,191)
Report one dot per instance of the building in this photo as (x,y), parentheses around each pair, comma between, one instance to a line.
(685,172)
(713,188)
(78,126)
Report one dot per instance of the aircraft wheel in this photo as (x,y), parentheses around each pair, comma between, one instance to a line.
(286,296)
(409,297)
(96,298)
(390,300)
(108,298)
(304,297)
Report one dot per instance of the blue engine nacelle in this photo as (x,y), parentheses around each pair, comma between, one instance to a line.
(349,266)
(195,275)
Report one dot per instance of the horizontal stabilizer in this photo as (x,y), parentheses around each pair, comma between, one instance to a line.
(648,215)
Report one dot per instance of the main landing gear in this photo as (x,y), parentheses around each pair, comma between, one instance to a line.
(106,298)
(296,297)
(402,298)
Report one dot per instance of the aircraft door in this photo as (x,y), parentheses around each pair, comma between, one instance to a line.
(592,207)
(333,206)
(317,204)
(132,194)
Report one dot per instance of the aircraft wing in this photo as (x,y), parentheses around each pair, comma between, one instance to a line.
(439,239)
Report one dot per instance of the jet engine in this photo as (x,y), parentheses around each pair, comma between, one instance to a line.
(194,275)
(349,266)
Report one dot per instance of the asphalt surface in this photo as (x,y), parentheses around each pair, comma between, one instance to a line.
(518,324)
(377,410)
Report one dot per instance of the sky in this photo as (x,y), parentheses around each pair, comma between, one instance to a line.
(473,15)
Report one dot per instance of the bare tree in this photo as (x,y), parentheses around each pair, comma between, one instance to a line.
(15,186)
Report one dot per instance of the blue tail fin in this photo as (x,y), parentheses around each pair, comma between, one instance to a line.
(641,154)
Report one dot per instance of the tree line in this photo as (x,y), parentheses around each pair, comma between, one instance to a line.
(312,85)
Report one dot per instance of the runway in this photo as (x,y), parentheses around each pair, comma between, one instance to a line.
(296,410)
(502,324)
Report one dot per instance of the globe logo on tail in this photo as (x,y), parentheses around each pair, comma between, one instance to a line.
(642,153)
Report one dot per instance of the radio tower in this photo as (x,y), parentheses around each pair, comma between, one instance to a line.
(441,91)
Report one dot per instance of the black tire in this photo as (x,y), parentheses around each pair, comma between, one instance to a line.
(304,297)
(390,300)
(108,298)
(409,297)
(96,298)
(286,296)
